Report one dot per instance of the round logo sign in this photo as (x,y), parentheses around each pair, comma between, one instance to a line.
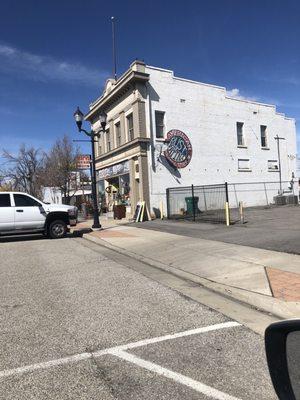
(179,150)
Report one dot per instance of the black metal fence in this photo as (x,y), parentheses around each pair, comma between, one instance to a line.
(207,202)
(198,203)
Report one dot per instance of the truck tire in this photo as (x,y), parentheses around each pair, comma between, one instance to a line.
(57,229)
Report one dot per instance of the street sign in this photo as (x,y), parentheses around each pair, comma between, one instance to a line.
(83,161)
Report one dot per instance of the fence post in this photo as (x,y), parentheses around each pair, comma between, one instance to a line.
(266,193)
(168,203)
(241,212)
(227,214)
(205,205)
(193,199)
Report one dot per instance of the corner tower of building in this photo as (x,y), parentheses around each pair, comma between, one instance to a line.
(122,150)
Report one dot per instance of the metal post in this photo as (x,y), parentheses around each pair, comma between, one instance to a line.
(241,212)
(193,199)
(279,165)
(266,193)
(168,203)
(96,223)
(226,192)
(205,205)
(277,138)
(227,210)
(114,48)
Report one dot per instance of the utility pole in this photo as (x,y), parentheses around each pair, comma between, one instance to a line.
(277,138)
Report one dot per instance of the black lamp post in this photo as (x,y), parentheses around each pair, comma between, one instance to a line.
(78,115)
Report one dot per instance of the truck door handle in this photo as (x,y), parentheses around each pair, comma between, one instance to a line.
(20,210)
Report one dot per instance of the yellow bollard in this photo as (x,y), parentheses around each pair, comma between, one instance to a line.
(227,214)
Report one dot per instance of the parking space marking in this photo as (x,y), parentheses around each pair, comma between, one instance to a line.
(179,378)
(145,342)
(112,350)
(44,365)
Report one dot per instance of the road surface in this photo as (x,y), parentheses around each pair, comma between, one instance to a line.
(75,324)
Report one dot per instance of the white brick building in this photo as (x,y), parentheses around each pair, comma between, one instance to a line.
(232,140)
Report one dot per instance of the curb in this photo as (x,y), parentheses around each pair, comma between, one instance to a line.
(267,304)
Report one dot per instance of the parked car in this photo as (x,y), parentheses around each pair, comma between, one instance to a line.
(282,341)
(22,213)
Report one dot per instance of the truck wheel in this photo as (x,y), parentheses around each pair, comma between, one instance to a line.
(57,229)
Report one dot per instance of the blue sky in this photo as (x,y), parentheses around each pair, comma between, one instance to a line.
(55,55)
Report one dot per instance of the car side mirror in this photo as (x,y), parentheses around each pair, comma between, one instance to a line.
(42,211)
(282,341)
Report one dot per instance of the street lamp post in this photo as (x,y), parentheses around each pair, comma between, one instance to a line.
(78,115)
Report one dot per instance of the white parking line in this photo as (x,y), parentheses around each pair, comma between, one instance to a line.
(45,365)
(190,332)
(184,380)
(112,350)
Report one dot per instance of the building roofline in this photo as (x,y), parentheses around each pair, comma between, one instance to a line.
(135,72)
(184,79)
(221,88)
(251,101)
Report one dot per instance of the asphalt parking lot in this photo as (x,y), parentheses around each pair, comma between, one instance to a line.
(270,228)
(76,325)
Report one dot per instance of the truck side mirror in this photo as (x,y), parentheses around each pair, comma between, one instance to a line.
(42,211)
(282,341)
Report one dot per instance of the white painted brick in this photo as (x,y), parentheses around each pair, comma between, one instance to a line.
(209,119)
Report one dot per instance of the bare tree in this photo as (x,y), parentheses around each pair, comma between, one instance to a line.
(25,170)
(60,167)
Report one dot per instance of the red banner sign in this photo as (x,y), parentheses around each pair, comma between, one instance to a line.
(83,162)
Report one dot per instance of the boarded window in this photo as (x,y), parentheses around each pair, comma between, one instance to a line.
(273,165)
(240,133)
(160,124)
(130,127)
(108,140)
(263,136)
(118,134)
(243,164)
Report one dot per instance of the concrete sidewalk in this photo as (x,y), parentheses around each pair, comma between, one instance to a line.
(267,280)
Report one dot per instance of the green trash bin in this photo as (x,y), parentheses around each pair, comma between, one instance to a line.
(190,208)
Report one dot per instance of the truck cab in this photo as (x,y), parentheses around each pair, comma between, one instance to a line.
(23,213)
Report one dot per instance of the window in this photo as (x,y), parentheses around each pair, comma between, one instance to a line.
(263,136)
(108,142)
(240,135)
(4,200)
(244,164)
(118,134)
(21,200)
(273,165)
(159,124)
(130,127)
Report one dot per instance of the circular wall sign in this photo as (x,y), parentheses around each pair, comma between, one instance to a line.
(179,151)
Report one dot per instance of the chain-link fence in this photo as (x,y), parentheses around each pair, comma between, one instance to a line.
(260,194)
(197,203)
(208,202)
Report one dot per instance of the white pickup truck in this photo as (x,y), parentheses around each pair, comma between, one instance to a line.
(22,213)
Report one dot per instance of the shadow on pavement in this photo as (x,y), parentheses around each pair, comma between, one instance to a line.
(39,236)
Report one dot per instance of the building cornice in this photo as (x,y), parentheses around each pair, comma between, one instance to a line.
(119,89)
(121,149)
